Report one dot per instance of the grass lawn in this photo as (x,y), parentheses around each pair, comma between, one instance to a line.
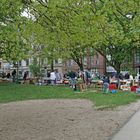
(15,92)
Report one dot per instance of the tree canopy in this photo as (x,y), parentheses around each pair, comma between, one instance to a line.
(67,28)
(13,42)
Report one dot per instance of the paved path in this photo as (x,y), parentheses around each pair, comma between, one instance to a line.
(130,131)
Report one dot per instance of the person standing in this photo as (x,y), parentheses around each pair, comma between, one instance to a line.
(58,77)
(131,80)
(8,75)
(73,77)
(53,78)
(25,76)
(14,75)
(106,84)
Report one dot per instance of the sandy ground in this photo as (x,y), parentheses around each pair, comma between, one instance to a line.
(61,120)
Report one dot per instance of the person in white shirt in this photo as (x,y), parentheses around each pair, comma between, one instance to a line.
(131,77)
(131,80)
(53,78)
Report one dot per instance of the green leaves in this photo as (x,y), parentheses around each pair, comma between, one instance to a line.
(13,39)
(66,28)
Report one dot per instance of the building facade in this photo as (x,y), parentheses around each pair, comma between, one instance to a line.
(95,63)
(136,61)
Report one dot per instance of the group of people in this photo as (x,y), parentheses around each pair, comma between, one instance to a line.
(118,78)
(9,75)
(54,77)
(13,75)
(73,77)
(79,77)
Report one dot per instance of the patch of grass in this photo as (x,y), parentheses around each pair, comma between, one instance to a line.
(15,92)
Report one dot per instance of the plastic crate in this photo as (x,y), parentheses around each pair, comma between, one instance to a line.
(133,88)
(112,86)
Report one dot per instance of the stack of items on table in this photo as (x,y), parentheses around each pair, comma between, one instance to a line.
(4,80)
(135,88)
(81,86)
(125,85)
(130,86)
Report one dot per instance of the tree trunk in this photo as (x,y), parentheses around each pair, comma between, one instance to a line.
(80,64)
(52,66)
(118,68)
(81,67)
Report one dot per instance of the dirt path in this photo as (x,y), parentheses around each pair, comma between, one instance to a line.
(61,120)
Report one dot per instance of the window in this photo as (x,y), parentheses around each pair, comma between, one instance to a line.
(42,61)
(137,57)
(85,61)
(97,56)
(92,60)
(59,61)
(19,63)
(56,61)
(97,62)
(108,57)
(27,62)
(70,63)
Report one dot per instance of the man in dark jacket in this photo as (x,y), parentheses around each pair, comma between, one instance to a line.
(72,76)
(14,75)
(106,82)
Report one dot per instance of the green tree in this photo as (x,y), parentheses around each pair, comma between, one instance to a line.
(114,24)
(65,24)
(72,26)
(13,41)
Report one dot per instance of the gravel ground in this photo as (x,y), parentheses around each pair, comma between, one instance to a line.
(61,120)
